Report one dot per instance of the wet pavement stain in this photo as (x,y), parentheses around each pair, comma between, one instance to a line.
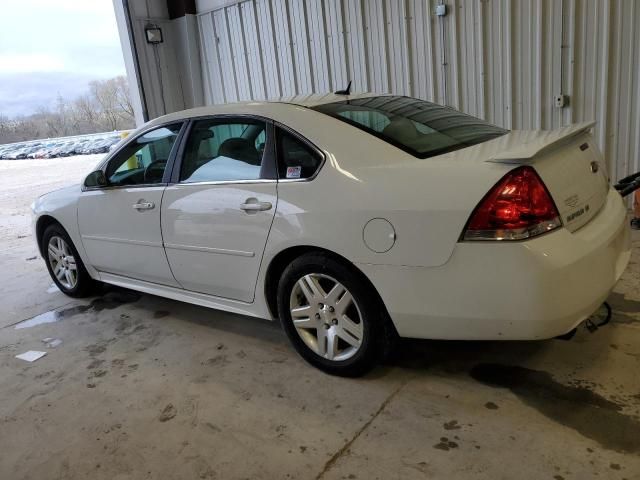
(576,407)
(620,303)
(168,413)
(95,364)
(114,299)
(108,301)
(445,444)
(623,318)
(624,310)
(452,425)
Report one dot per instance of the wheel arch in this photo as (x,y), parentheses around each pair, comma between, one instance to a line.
(281,260)
(41,225)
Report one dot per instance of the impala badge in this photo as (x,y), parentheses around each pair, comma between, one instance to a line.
(595,166)
(572,201)
(577,213)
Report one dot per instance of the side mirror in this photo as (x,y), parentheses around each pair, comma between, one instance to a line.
(96,179)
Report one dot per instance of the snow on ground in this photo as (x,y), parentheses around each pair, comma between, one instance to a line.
(22,181)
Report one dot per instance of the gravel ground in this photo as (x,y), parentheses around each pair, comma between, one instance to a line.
(145,387)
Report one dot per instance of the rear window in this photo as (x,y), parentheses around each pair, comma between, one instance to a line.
(421,128)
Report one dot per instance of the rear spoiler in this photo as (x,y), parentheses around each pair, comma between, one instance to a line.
(541,143)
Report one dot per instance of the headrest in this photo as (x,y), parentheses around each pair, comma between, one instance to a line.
(239,149)
(402,130)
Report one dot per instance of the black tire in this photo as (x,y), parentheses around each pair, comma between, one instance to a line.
(85,285)
(377,330)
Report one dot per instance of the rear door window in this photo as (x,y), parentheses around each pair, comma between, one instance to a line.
(296,158)
(224,150)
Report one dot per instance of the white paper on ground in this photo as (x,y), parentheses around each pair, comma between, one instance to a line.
(31,355)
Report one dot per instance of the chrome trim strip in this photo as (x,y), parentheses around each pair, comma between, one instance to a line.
(122,187)
(121,240)
(297,180)
(225,182)
(222,251)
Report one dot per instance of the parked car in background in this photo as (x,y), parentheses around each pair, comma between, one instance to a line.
(113,141)
(100,146)
(44,151)
(8,152)
(19,152)
(79,146)
(68,149)
(56,150)
(63,147)
(24,153)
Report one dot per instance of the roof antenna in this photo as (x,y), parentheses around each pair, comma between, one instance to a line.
(346,91)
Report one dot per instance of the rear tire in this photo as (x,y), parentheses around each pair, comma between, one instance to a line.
(333,318)
(64,263)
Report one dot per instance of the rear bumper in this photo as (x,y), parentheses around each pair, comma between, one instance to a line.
(535,289)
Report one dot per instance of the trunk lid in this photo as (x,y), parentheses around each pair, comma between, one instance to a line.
(570,165)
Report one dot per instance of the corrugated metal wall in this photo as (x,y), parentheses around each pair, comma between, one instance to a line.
(159,69)
(498,59)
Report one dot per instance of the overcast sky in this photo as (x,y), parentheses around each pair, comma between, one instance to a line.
(54,46)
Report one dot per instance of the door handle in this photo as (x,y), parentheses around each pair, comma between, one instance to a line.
(142,205)
(253,205)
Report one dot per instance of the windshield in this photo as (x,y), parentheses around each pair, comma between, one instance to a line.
(421,128)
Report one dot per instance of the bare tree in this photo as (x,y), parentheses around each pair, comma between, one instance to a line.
(87,112)
(106,107)
(104,91)
(50,121)
(123,95)
(5,128)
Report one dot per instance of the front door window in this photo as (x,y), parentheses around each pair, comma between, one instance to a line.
(144,160)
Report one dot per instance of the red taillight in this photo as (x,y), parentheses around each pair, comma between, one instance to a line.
(519,206)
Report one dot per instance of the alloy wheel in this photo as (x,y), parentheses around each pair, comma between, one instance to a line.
(326,317)
(62,262)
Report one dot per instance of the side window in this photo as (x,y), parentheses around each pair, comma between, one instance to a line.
(143,160)
(221,150)
(296,159)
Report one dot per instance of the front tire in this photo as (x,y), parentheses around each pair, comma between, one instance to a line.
(332,317)
(64,263)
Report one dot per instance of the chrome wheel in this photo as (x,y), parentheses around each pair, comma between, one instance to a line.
(326,317)
(62,262)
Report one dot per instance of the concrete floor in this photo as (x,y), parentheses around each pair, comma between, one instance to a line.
(144,387)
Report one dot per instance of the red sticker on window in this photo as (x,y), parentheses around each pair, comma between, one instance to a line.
(294,172)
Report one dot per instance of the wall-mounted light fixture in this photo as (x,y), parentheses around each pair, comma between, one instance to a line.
(154,34)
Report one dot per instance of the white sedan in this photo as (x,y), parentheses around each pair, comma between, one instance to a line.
(352,219)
